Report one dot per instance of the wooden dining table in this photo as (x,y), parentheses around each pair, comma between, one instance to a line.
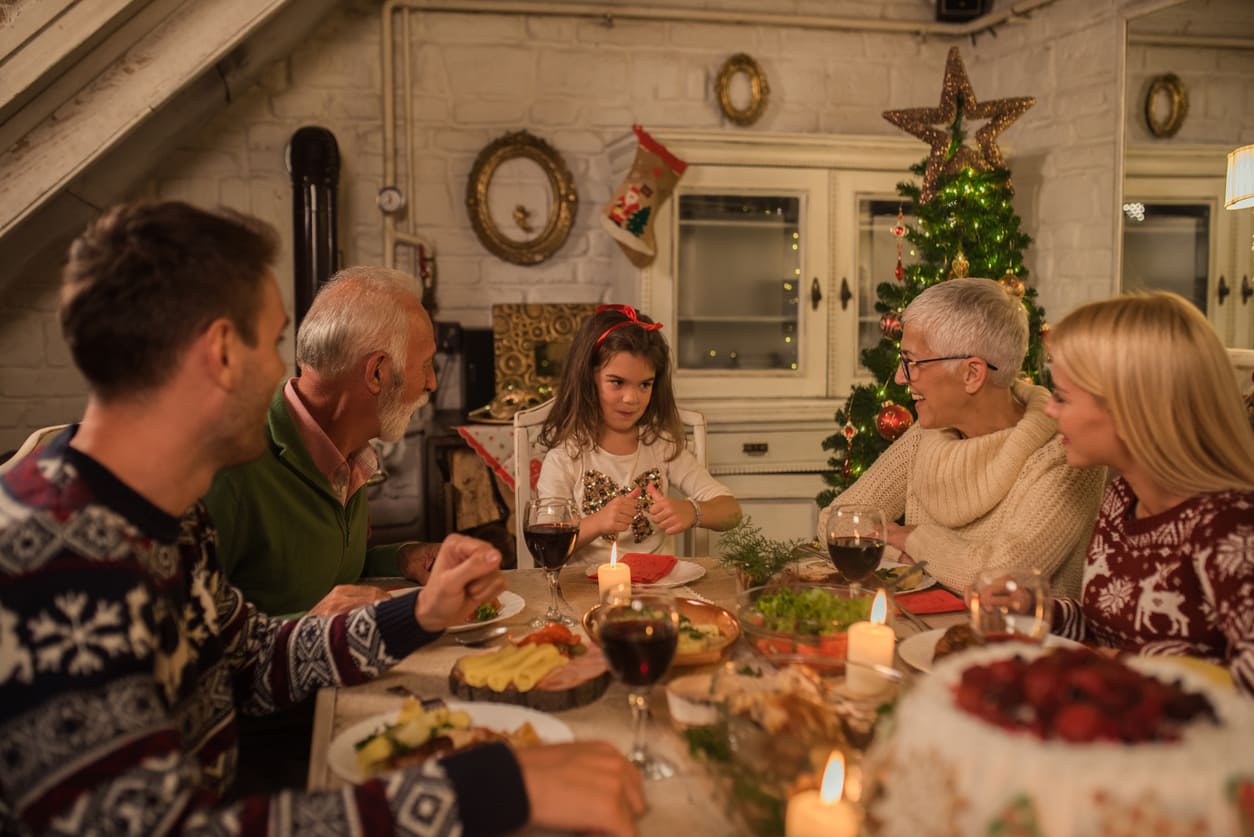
(689,802)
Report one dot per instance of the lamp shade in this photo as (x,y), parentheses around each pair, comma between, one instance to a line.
(1239,193)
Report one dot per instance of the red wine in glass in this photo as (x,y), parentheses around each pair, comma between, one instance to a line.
(639,651)
(551,544)
(856,558)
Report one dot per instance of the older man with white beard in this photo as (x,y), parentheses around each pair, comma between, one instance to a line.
(293,524)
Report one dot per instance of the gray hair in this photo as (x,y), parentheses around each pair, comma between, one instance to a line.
(973,317)
(357,312)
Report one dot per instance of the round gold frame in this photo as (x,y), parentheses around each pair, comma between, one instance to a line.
(1179,98)
(760,91)
(557,226)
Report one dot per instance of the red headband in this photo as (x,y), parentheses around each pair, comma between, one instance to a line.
(628,312)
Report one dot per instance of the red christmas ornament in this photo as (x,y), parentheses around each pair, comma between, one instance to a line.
(846,470)
(893,420)
(899,231)
(890,324)
(849,431)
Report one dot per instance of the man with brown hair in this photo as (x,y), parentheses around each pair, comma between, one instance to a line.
(127,655)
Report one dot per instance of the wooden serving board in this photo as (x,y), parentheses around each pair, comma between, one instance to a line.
(587,688)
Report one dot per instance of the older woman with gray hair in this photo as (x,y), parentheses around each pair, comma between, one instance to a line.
(982,478)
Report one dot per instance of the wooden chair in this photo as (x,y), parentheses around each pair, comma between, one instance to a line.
(527,424)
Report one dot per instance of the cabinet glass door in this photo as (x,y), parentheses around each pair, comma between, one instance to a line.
(740,257)
(741,282)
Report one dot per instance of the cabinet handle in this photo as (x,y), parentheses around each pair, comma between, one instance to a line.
(1223,291)
(1247,290)
(816,294)
(755,448)
(845,294)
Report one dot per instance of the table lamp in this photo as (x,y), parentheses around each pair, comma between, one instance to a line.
(1239,193)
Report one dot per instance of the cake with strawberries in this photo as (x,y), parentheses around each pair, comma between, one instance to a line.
(1014,739)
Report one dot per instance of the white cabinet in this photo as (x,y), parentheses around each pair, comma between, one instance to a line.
(769,254)
(1177,236)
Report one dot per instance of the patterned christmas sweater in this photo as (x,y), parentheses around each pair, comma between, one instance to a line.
(125,655)
(1180,582)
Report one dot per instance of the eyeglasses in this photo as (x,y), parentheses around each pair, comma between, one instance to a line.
(906,364)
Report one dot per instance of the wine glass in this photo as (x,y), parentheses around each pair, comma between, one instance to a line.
(1010,603)
(855,540)
(551,527)
(638,632)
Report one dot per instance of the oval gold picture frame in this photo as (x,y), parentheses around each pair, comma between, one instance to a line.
(1178,109)
(565,199)
(759,90)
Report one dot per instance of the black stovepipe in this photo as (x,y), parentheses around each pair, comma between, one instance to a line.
(314,163)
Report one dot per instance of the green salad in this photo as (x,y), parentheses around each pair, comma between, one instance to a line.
(812,610)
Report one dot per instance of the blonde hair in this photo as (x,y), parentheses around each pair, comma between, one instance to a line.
(358,311)
(1154,361)
(973,317)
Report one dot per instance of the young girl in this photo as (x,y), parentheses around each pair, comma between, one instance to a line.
(617,443)
(1143,385)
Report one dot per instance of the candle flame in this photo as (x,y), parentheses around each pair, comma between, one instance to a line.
(613,554)
(833,778)
(879,608)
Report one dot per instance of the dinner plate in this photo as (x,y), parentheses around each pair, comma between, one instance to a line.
(684,572)
(511,605)
(915,584)
(917,649)
(342,753)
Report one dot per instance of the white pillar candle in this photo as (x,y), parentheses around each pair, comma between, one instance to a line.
(823,813)
(870,643)
(612,575)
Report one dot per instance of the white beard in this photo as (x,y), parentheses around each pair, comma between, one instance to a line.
(395,414)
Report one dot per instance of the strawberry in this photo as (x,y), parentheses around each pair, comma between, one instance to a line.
(1078,723)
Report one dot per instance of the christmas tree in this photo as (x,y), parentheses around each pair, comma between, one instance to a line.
(964,225)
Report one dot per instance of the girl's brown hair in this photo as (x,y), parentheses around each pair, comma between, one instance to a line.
(576,415)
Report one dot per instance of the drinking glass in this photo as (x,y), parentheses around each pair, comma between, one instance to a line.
(638,632)
(855,540)
(1010,603)
(551,527)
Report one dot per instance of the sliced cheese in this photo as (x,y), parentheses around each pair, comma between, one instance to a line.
(521,667)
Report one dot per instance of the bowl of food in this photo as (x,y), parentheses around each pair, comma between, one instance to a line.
(705,631)
(802,620)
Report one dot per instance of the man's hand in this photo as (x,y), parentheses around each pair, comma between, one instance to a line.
(670,515)
(616,515)
(345,597)
(466,573)
(586,787)
(415,560)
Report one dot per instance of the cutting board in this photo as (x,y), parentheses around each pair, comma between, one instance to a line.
(578,683)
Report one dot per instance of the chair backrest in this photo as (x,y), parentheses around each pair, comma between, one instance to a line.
(527,424)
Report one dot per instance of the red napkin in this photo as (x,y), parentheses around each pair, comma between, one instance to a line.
(932,601)
(646,568)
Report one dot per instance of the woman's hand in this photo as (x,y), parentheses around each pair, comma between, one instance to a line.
(896,537)
(670,515)
(615,516)
(346,597)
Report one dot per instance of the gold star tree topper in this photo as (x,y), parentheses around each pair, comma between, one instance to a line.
(956,92)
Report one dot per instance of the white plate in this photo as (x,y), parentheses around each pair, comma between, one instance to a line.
(502,717)
(917,650)
(684,572)
(511,605)
(917,583)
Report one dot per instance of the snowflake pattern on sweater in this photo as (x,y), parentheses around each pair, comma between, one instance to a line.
(1179,582)
(125,655)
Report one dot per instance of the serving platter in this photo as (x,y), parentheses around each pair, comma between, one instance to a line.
(917,650)
(700,613)
(342,753)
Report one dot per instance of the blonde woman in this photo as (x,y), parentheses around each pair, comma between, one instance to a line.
(1143,385)
(982,479)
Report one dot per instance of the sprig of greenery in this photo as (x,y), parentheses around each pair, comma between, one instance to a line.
(744,549)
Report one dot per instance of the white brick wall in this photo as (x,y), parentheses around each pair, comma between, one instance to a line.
(579,85)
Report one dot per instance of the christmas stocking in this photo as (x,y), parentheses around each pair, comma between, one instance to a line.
(629,215)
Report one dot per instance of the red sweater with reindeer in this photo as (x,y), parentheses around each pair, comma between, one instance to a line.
(1180,582)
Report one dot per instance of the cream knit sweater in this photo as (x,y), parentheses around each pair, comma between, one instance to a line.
(1005,499)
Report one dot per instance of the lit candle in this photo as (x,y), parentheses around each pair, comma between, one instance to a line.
(613,575)
(870,643)
(823,813)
